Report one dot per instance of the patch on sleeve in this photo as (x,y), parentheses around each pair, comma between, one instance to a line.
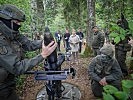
(3,50)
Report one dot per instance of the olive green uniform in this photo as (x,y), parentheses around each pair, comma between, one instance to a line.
(104,66)
(12,62)
(121,50)
(123,47)
(97,43)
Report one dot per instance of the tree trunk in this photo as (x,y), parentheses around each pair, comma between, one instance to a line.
(33,17)
(91,22)
(79,13)
(40,14)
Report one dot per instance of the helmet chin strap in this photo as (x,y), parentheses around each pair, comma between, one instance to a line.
(12,28)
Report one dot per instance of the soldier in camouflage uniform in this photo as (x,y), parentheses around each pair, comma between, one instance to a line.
(122,47)
(98,40)
(12,45)
(103,70)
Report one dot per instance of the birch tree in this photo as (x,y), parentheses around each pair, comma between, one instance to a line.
(91,19)
(90,23)
(33,16)
(40,15)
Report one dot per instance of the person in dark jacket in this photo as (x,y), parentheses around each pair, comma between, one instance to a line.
(58,38)
(104,69)
(66,39)
(81,36)
(12,45)
(98,40)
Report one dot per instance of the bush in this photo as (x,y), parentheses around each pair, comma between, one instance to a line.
(110,92)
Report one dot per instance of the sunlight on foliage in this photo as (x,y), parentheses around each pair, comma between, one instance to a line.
(117,39)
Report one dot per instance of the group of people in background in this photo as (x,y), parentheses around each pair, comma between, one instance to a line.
(72,42)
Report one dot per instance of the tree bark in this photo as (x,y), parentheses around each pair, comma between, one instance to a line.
(90,23)
(33,17)
(91,20)
(40,15)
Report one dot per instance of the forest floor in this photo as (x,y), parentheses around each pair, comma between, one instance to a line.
(81,80)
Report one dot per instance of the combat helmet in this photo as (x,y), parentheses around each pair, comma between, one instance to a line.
(9,12)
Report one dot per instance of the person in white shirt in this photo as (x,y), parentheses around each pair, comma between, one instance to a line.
(74,44)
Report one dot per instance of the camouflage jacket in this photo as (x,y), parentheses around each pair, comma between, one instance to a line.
(11,61)
(111,70)
(98,40)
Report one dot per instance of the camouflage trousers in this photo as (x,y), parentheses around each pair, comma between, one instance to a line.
(121,58)
(97,89)
(96,51)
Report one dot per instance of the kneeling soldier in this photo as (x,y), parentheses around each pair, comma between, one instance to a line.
(103,70)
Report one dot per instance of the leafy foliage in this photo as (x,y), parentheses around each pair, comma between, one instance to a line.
(110,92)
(30,54)
(108,97)
(121,95)
(110,89)
(118,33)
(19,83)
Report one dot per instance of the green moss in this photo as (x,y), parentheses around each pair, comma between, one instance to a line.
(88,52)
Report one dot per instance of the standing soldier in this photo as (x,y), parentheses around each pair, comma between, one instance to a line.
(122,47)
(103,70)
(12,44)
(81,36)
(98,41)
